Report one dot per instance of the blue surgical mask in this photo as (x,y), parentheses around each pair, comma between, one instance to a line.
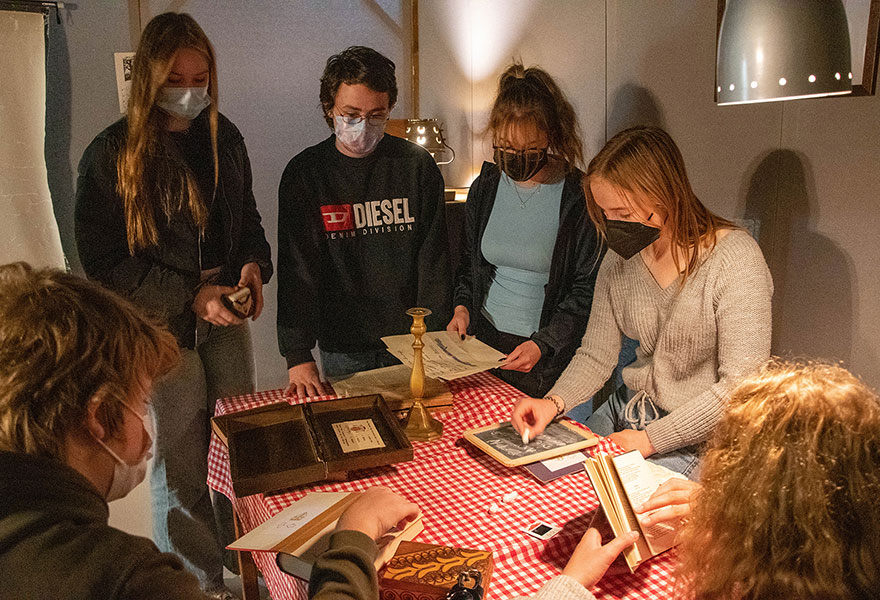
(184,102)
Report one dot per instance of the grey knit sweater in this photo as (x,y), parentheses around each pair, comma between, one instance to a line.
(695,342)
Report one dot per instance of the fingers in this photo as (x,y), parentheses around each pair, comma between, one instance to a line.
(672,491)
(609,551)
(675,512)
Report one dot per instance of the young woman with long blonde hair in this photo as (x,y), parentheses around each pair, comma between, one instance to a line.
(165,215)
(530,255)
(692,289)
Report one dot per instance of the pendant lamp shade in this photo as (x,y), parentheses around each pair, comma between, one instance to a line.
(782,50)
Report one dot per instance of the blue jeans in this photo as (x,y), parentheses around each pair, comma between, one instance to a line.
(618,413)
(187,520)
(340,364)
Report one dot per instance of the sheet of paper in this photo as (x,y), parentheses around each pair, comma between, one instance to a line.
(289,520)
(358,435)
(640,480)
(445,356)
(559,463)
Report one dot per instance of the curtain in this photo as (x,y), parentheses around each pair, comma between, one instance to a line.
(28,230)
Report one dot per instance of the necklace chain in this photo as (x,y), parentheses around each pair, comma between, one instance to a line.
(524,201)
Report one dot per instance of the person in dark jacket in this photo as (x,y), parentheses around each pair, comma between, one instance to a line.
(77,363)
(361,231)
(530,255)
(166,216)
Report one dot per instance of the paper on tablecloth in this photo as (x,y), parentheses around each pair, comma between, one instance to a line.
(445,356)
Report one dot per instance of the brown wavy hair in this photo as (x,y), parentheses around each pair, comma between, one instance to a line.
(151,185)
(790,505)
(532,96)
(357,65)
(65,341)
(647,162)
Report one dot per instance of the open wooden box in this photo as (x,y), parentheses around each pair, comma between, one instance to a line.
(282,445)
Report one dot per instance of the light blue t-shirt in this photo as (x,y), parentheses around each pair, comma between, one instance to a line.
(519,240)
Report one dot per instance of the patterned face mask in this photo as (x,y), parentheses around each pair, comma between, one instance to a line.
(520,165)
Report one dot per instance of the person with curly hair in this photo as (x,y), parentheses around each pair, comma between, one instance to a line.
(787,505)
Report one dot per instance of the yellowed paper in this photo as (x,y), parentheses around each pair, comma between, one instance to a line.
(444,355)
(358,435)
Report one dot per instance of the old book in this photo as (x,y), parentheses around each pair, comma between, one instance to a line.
(505,445)
(393,383)
(622,482)
(427,572)
(301,532)
(285,445)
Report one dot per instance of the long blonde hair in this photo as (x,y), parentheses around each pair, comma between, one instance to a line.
(790,504)
(645,160)
(532,96)
(150,185)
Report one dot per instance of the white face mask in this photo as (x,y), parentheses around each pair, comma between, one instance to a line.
(126,477)
(184,102)
(361,138)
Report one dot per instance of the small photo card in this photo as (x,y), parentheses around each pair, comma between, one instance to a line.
(358,435)
(542,531)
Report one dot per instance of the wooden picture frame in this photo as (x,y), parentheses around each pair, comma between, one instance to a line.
(867,13)
(501,442)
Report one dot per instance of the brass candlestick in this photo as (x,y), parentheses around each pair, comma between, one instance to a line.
(419,424)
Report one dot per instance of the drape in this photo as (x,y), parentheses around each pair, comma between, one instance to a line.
(28,229)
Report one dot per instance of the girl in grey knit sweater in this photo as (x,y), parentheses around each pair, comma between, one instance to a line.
(689,286)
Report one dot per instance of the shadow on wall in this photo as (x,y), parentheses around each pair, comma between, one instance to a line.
(633,105)
(57,144)
(812,276)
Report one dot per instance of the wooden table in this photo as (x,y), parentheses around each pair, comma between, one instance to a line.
(454,484)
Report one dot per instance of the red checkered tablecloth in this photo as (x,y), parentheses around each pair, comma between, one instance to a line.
(454,484)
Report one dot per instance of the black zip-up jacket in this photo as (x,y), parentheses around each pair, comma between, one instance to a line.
(163,279)
(568,295)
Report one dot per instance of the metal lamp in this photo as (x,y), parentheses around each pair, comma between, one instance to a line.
(772,50)
(428,133)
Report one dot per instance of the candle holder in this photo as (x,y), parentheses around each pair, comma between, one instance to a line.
(419,424)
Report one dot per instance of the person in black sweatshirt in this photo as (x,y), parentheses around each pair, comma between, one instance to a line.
(361,231)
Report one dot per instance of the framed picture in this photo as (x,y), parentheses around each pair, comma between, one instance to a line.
(864,23)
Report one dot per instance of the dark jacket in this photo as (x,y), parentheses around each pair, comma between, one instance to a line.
(345,570)
(568,294)
(360,241)
(55,541)
(164,278)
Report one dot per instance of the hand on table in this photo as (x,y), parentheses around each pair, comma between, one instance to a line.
(671,502)
(534,413)
(252,277)
(305,381)
(461,319)
(633,439)
(376,512)
(208,306)
(591,559)
(522,358)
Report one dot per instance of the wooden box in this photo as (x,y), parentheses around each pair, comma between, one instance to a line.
(285,445)
(427,572)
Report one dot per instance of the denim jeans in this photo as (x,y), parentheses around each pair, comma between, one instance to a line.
(619,413)
(187,520)
(340,364)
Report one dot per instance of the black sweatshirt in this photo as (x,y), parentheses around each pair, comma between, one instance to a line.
(360,240)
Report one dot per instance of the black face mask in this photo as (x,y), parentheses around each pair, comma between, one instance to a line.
(628,238)
(520,165)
